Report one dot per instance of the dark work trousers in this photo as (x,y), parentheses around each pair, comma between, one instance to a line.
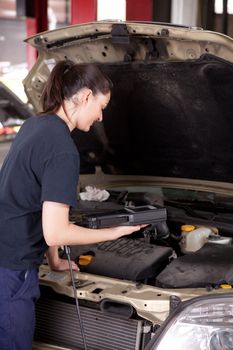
(19,290)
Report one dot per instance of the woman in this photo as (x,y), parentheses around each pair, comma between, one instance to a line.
(38,183)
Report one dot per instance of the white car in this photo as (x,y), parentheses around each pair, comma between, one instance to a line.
(13,112)
(165,143)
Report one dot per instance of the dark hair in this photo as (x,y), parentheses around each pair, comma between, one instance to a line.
(67,78)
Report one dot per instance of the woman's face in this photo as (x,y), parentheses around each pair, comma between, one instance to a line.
(90,109)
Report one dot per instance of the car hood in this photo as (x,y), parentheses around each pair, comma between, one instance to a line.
(170,114)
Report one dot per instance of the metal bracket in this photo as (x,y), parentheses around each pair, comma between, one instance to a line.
(174,302)
(120,34)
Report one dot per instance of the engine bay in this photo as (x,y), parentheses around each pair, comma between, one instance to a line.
(192,248)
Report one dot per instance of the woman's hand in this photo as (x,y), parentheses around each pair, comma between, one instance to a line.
(63,265)
(56,263)
(120,231)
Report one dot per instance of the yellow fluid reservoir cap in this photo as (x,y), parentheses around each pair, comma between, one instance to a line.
(84,260)
(225,286)
(187,228)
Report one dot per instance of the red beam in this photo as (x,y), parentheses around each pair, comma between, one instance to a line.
(83,11)
(31,52)
(41,15)
(140,10)
(36,22)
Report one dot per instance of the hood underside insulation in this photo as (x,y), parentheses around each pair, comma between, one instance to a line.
(166,119)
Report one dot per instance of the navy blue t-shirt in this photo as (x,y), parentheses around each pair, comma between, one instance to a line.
(42,165)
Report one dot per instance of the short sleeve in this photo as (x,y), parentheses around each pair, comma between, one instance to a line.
(60,179)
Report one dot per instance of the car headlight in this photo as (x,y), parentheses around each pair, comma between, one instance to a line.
(202,324)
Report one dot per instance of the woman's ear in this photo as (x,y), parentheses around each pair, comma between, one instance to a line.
(85,95)
(81,97)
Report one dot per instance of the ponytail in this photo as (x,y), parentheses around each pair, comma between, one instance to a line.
(67,78)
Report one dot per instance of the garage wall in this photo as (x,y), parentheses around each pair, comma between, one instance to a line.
(12,34)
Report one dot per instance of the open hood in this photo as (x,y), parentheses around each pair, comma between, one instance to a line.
(171,108)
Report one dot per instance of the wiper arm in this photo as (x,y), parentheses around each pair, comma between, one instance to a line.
(206,205)
(216,207)
(189,210)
